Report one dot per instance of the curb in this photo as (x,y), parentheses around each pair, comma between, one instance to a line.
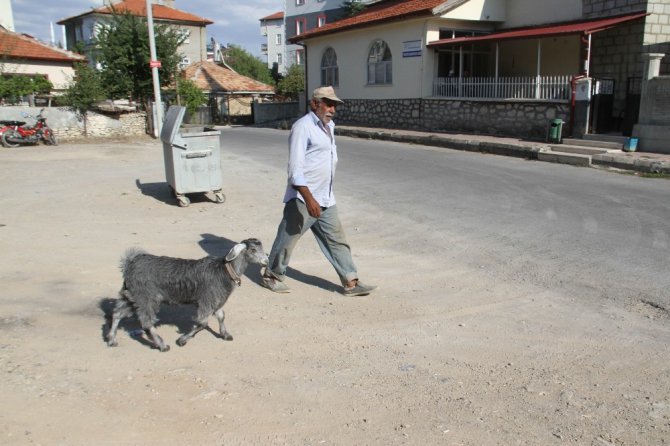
(526,151)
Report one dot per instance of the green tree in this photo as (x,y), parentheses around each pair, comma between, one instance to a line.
(14,86)
(293,83)
(247,65)
(122,50)
(352,8)
(190,96)
(85,90)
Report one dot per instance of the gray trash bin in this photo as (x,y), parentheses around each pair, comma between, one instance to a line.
(192,158)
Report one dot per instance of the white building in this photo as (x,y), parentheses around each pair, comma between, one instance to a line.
(272,27)
(6,15)
(83,27)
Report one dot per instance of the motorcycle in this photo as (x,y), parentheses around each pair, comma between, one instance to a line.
(15,133)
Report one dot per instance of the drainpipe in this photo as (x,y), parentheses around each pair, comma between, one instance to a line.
(304,45)
(537,75)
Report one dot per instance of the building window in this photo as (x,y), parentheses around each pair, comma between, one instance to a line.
(321,20)
(278,39)
(329,72)
(300,57)
(300,26)
(299,2)
(279,58)
(379,64)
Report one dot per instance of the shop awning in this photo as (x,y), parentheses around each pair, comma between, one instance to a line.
(582,28)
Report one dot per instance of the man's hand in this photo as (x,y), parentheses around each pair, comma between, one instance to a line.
(313,206)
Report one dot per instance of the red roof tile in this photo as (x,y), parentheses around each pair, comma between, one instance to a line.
(384,11)
(210,76)
(139,8)
(276,16)
(19,46)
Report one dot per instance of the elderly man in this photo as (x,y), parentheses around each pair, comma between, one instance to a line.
(309,201)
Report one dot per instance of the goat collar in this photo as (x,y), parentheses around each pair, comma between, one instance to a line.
(233,275)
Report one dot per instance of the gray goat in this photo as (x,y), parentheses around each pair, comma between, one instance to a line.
(150,280)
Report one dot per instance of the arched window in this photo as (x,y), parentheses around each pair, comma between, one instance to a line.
(379,63)
(330,74)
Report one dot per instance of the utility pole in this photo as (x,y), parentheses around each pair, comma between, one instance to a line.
(155,64)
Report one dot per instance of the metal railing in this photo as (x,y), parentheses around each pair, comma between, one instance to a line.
(540,87)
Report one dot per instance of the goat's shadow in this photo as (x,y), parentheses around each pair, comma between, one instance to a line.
(163,192)
(181,316)
(215,245)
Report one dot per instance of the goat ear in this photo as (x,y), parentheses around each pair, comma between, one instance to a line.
(237,249)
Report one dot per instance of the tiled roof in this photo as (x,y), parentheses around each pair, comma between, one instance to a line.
(276,16)
(383,11)
(139,8)
(23,47)
(210,76)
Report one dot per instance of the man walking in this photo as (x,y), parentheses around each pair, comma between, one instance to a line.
(309,201)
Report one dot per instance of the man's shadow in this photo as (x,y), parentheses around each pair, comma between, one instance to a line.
(215,245)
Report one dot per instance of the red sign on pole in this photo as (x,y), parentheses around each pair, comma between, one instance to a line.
(155,63)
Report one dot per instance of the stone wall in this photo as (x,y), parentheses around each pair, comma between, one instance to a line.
(103,126)
(67,125)
(524,119)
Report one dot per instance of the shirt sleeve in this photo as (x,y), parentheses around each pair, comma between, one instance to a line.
(297,148)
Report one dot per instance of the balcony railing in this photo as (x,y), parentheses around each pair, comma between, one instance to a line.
(264,48)
(539,87)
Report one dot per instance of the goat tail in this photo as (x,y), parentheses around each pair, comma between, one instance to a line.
(128,257)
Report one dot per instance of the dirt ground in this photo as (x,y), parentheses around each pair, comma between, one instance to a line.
(441,354)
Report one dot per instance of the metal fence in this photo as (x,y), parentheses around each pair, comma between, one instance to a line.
(540,87)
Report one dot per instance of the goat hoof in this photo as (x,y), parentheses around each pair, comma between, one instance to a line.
(165,348)
(227,337)
(181,342)
(112,344)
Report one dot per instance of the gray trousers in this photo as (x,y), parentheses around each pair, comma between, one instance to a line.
(329,235)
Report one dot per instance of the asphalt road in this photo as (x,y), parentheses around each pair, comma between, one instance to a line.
(519,302)
(592,234)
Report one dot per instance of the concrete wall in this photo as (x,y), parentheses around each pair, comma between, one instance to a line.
(60,74)
(66,125)
(521,119)
(484,10)
(537,12)
(274,111)
(412,76)
(653,128)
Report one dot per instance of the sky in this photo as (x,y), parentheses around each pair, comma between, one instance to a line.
(234,21)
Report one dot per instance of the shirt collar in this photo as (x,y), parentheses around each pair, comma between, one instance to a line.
(318,122)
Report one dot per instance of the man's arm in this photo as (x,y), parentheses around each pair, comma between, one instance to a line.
(296,161)
(313,206)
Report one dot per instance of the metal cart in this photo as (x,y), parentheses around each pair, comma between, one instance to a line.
(192,158)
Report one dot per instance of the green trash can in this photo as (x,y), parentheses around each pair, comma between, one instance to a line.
(555,130)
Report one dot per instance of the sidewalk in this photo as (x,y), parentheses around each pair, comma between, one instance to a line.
(634,161)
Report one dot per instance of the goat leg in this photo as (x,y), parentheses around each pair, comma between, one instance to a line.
(199,326)
(121,310)
(220,316)
(152,333)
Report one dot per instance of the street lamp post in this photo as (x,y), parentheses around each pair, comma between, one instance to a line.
(155,64)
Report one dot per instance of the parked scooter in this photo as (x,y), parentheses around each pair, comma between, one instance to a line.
(15,133)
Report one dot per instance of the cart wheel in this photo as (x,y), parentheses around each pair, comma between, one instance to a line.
(183,201)
(219,197)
